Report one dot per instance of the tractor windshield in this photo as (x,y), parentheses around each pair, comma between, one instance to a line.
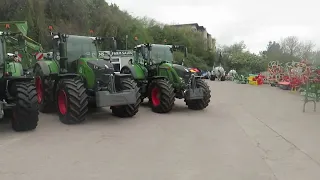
(161,53)
(80,46)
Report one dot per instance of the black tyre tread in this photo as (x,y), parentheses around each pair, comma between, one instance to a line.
(129,110)
(26,114)
(200,104)
(77,101)
(46,106)
(223,78)
(167,96)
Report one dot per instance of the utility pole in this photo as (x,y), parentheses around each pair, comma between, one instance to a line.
(126,42)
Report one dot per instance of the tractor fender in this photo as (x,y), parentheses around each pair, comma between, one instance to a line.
(132,70)
(44,67)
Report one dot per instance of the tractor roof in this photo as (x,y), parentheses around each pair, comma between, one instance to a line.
(84,37)
(159,45)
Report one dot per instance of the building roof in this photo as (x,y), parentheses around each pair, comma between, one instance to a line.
(200,28)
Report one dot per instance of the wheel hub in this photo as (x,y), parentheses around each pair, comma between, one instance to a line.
(62,102)
(39,89)
(155,96)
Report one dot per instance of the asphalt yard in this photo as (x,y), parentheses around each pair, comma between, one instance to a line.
(247,133)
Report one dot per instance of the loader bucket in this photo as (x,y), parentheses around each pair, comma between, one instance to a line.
(14,27)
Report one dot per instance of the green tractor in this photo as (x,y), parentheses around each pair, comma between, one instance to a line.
(162,81)
(17,91)
(75,77)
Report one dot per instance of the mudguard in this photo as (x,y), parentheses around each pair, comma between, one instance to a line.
(132,70)
(44,67)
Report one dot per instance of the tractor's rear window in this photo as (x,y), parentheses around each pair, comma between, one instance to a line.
(161,53)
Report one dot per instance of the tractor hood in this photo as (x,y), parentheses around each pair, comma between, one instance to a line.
(182,71)
(101,65)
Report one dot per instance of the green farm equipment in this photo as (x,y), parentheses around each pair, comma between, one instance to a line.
(75,77)
(17,91)
(162,81)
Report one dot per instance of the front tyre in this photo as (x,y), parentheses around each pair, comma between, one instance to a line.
(72,101)
(131,109)
(161,96)
(25,113)
(199,104)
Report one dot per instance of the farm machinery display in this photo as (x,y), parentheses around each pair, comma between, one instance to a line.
(241,79)
(275,71)
(290,76)
(311,91)
(231,75)
(75,77)
(162,81)
(118,58)
(218,73)
(17,91)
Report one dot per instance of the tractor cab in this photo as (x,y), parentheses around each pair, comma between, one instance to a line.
(80,47)
(72,51)
(152,56)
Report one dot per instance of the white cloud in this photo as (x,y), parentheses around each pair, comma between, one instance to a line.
(254,21)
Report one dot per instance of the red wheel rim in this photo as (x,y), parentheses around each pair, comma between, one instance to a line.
(39,89)
(155,96)
(62,102)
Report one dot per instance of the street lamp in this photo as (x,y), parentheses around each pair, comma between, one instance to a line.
(126,42)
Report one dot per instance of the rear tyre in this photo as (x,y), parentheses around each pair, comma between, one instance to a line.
(72,101)
(199,104)
(43,92)
(131,109)
(25,113)
(161,96)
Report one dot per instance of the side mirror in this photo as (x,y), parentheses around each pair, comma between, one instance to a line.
(130,62)
(185,52)
(114,47)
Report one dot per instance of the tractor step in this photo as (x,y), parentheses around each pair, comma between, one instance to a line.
(192,94)
(105,98)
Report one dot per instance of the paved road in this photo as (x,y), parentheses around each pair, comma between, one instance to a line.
(247,133)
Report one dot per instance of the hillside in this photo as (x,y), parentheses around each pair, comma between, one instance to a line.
(80,16)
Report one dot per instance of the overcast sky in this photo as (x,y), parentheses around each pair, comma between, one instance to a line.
(256,22)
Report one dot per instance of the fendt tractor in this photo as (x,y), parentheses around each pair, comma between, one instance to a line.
(75,76)
(17,91)
(162,81)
